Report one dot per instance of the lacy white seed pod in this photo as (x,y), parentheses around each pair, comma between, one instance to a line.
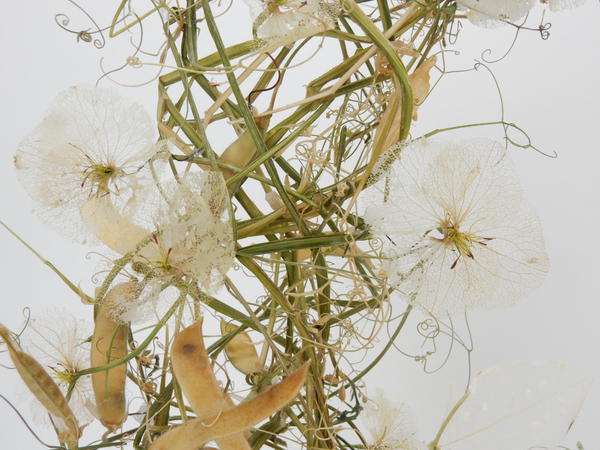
(93,143)
(518,404)
(493,13)
(391,425)
(563,5)
(193,236)
(458,233)
(57,340)
(282,22)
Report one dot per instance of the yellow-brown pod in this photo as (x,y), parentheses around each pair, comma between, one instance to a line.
(196,432)
(109,344)
(242,151)
(43,387)
(196,378)
(241,351)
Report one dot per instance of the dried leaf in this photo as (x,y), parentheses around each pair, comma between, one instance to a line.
(241,351)
(274,200)
(419,82)
(199,431)
(402,48)
(83,296)
(388,131)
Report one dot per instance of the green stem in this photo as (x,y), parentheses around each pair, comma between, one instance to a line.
(249,120)
(394,60)
(49,264)
(387,346)
(434,444)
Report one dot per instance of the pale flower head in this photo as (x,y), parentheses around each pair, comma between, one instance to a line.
(192,237)
(391,425)
(92,143)
(282,22)
(493,13)
(178,231)
(458,234)
(56,340)
(191,241)
(563,5)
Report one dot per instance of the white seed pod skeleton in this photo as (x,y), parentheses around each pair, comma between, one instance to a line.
(458,233)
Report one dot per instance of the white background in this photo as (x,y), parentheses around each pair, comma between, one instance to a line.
(550,89)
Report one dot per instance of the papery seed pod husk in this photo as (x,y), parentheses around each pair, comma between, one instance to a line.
(112,228)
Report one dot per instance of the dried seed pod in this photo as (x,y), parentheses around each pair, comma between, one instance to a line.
(109,343)
(331,379)
(197,432)
(242,151)
(195,375)
(342,393)
(43,387)
(241,351)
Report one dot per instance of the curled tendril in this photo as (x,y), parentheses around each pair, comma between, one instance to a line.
(83,35)
(134,62)
(453,35)
(544,27)
(256,91)
(429,328)
(489,51)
